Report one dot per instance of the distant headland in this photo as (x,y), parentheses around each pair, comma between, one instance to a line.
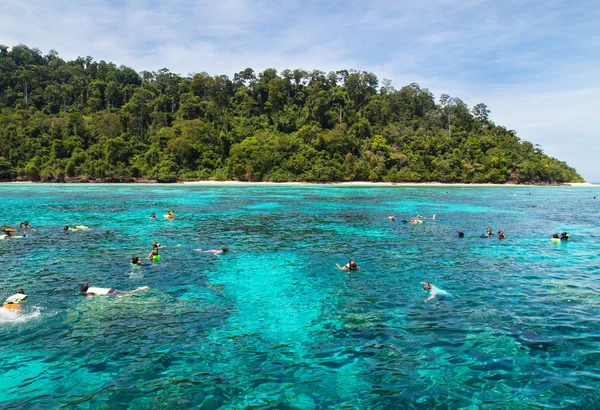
(89,121)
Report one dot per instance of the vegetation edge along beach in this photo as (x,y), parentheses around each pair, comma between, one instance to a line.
(89,121)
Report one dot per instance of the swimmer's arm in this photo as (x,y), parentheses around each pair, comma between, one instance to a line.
(429,298)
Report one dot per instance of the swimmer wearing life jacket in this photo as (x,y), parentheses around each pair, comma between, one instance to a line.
(93,291)
(154,256)
(14,302)
(135,261)
(170,215)
(66,228)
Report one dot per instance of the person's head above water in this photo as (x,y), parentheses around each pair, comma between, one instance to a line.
(555,235)
(225,249)
(461,234)
(426,285)
(84,288)
(20,289)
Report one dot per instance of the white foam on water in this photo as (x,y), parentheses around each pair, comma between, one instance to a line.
(9,316)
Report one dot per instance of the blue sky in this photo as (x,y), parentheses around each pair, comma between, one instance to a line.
(535,64)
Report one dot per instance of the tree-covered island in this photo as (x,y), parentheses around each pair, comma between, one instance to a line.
(84,120)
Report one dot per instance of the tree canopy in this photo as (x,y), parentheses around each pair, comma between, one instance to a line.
(90,120)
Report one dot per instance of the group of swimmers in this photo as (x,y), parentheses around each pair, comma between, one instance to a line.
(170,214)
(14,301)
(564,236)
(10,232)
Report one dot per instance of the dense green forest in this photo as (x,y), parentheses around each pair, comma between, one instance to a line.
(86,120)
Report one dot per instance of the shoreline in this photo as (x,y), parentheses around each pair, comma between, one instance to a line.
(341,184)
(399,184)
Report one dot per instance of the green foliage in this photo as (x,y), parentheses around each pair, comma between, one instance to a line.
(89,119)
(7,172)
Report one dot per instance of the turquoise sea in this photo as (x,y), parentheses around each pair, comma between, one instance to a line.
(274,323)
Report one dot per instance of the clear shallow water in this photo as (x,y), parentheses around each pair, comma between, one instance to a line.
(275,324)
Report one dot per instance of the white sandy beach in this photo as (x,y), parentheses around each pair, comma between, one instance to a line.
(354,183)
(366,184)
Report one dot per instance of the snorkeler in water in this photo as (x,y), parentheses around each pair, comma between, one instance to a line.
(351,265)
(14,302)
(93,291)
(488,233)
(433,291)
(215,252)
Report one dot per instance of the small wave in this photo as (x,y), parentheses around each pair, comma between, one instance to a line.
(136,274)
(8,316)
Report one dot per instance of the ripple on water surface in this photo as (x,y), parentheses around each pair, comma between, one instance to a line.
(274,324)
